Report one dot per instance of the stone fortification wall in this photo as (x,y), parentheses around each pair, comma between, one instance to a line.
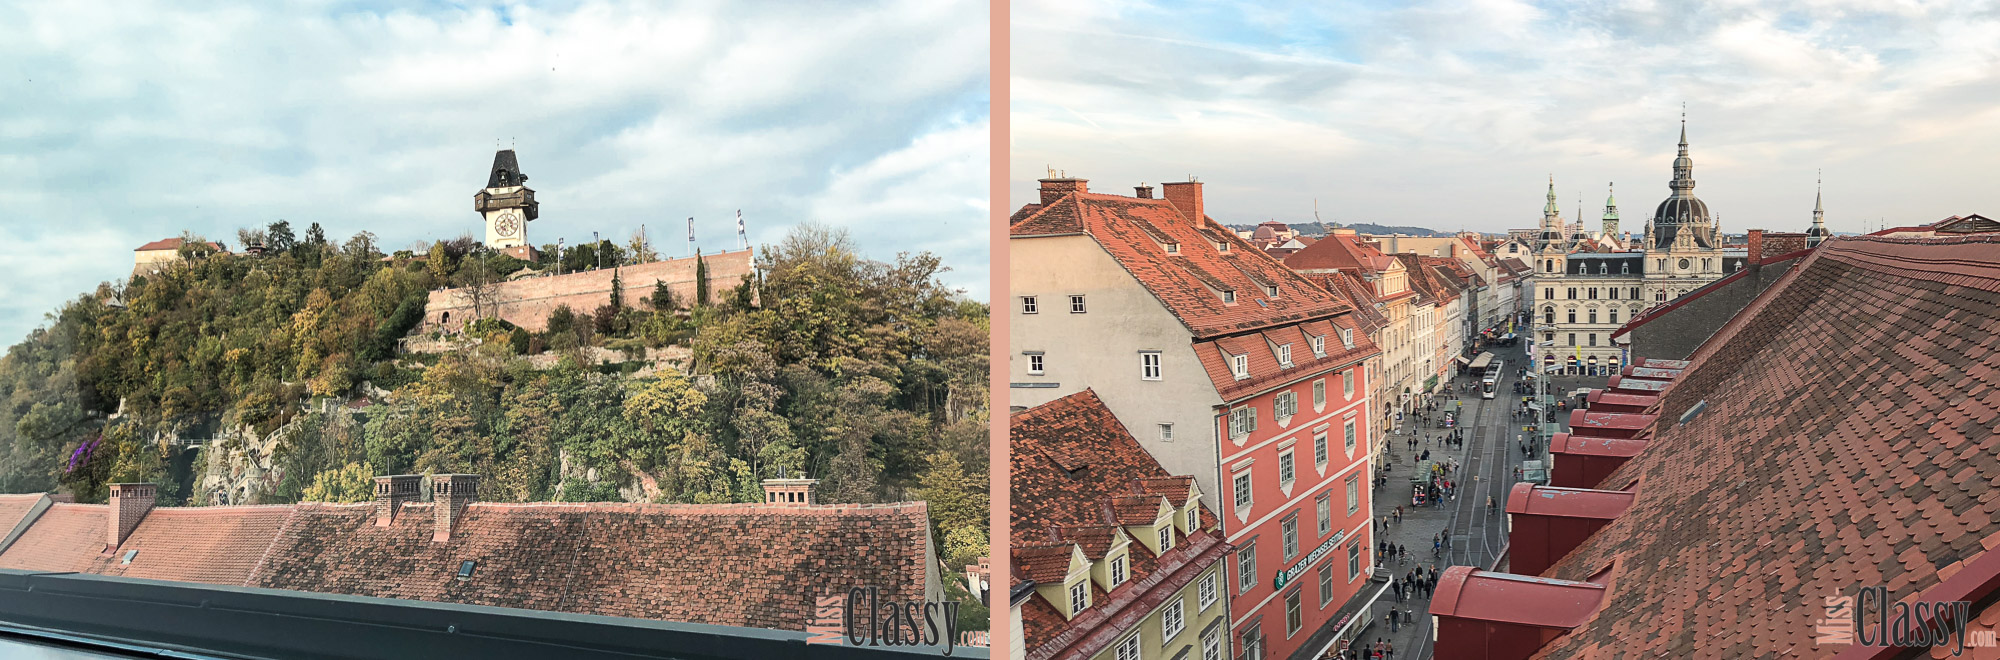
(527,302)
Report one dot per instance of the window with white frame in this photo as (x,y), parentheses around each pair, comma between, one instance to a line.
(1149,365)
(1271,290)
(1205,592)
(1286,470)
(1291,530)
(1211,644)
(1285,356)
(1319,448)
(1319,345)
(1028,305)
(1229,296)
(1347,337)
(1319,392)
(1323,505)
(1325,584)
(1292,619)
(1166,433)
(1347,383)
(1194,519)
(1129,649)
(1347,431)
(1353,494)
(1242,421)
(1035,364)
(1285,404)
(1243,490)
(1079,597)
(1076,304)
(1173,620)
(1353,561)
(1166,537)
(1173,248)
(1118,570)
(1246,567)
(1239,366)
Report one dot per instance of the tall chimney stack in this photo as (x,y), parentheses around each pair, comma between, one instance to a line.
(391,492)
(1054,189)
(1754,252)
(1143,191)
(790,491)
(451,493)
(129,504)
(1186,196)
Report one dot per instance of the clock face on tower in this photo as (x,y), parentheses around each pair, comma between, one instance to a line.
(507,224)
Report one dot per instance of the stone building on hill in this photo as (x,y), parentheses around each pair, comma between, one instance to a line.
(157,254)
(751,565)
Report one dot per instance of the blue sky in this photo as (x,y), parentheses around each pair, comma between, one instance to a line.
(1453,115)
(122,123)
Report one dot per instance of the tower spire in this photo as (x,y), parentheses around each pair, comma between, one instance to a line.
(1818,231)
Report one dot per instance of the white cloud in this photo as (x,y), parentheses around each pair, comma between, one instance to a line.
(1451,114)
(130,122)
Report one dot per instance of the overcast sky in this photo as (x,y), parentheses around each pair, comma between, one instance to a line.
(122,123)
(1452,115)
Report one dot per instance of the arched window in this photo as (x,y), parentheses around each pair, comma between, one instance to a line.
(1603,269)
(1593,315)
(1572,316)
(1625,268)
(1549,315)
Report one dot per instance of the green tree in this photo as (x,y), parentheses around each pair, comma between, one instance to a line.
(279,237)
(354,482)
(700,279)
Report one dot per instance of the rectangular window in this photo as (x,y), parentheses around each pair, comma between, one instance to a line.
(1242,421)
(1194,519)
(1243,490)
(1271,290)
(1211,644)
(1205,593)
(1246,567)
(1614,315)
(1347,383)
(1129,649)
(1229,296)
(1353,561)
(1166,433)
(1166,537)
(1353,494)
(1572,293)
(1347,338)
(1291,527)
(1028,305)
(1325,584)
(1593,293)
(1149,365)
(1286,470)
(1319,392)
(1076,304)
(1173,248)
(1319,448)
(1117,571)
(1284,405)
(1285,356)
(1635,293)
(1239,366)
(1079,597)
(1173,620)
(1572,339)
(1612,292)
(1593,339)
(1292,622)
(1035,364)
(1323,505)
(1319,346)
(1348,431)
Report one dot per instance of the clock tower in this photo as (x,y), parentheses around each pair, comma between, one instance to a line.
(507,203)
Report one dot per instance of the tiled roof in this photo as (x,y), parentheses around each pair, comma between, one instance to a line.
(1075,468)
(1765,501)
(1339,252)
(742,565)
(169,244)
(1189,284)
(1358,294)
(14,509)
(1264,370)
(66,538)
(216,545)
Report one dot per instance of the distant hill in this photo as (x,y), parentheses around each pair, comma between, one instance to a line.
(1322,228)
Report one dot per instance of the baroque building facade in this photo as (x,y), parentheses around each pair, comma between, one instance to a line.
(1586,286)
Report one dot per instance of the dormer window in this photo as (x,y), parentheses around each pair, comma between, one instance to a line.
(1222,246)
(1239,365)
(1117,571)
(1285,356)
(1079,597)
(1319,345)
(1173,248)
(1166,537)
(1229,296)
(1347,337)
(1271,290)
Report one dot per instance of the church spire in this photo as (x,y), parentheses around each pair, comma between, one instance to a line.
(1818,231)
(1611,211)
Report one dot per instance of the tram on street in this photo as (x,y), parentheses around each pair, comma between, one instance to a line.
(1489,385)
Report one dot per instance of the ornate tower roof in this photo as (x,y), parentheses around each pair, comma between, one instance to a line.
(1682,210)
(1818,232)
(1552,232)
(506,172)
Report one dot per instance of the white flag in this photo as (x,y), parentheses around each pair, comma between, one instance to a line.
(739,221)
(690,229)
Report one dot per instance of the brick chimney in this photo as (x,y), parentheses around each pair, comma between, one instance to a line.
(1143,192)
(451,493)
(391,492)
(129,504)
(1755,250)
(1186,196)
(1054,189)
(790,491)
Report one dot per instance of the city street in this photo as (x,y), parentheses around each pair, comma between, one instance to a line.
(1478,535)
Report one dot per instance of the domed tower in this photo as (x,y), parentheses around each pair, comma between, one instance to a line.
(1611,211)
(1818,232)
(1682,212)
(1552,225)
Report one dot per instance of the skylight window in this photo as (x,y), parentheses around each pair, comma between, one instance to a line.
(465,569)
(129,554)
